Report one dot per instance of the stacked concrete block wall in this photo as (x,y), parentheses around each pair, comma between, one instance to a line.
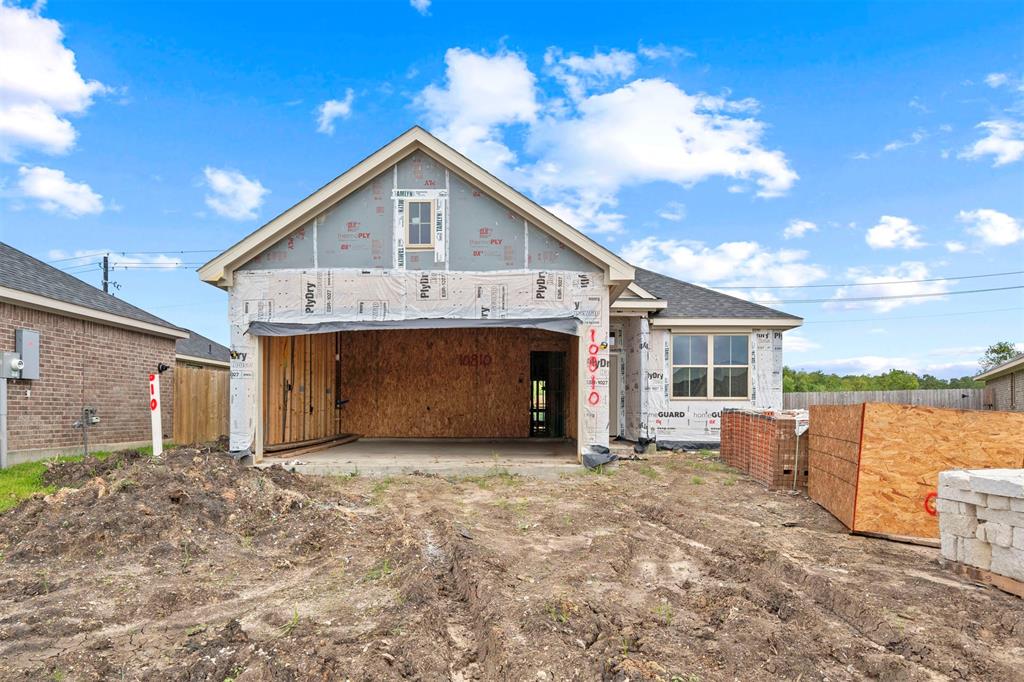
(765,446)
(981,519)
(83,363)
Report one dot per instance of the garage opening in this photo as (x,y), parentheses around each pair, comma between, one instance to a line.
(448,383)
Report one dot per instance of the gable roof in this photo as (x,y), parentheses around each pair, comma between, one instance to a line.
(30,282)
(687,301)
(199,347)
(219,270)
(1014,364)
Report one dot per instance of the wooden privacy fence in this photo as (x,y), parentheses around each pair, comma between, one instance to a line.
(200,403)
(956,398)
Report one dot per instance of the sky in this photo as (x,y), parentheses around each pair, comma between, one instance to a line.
(804,155)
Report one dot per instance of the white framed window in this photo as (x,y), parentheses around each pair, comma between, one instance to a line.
(710,366)
(419,224)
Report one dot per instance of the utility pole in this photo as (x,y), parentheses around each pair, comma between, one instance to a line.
(106,273)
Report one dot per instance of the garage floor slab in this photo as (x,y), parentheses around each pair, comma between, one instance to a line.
(535,457)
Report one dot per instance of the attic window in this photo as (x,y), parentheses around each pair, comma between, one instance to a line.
(420,224)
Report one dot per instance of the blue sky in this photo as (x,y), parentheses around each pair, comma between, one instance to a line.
(736,146)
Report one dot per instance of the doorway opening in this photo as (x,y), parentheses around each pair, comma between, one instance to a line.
(547,394)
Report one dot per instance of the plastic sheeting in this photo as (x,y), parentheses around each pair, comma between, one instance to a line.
(309,298)
(651,412)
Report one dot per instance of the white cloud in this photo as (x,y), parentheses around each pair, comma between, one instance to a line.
(39,84)
(993,228)
(579,74)
(798,228)
(995,80)
(915,103)
(674,211)
(56,194)
(893,232)
(333,109)
(916,137)
(955,247)
(482,92)
(891,281)
(234,195)
(797,343)
(662,51)
(728,264)
(421,6)
(1004,142)
(584,150)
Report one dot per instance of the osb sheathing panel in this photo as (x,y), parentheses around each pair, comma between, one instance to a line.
(834,437)
(905,447)
(445,383)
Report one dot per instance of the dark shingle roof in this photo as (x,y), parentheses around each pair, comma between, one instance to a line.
(198,346)
(689,300)
(22,272)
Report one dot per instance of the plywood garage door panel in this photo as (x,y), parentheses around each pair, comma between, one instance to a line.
(445,383)
(299,389)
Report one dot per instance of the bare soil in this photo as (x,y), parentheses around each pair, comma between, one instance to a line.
(193,567)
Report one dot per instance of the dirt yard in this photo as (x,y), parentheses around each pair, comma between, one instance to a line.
(194,568)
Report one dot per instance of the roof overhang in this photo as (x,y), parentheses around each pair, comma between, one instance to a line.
(220,270)
(1007,367)
(719,322)
(23,298)
(633,304)
(201,361)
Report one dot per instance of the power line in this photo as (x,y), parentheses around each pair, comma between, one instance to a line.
(98,254)
(885,298)
(913,317)
(873,284)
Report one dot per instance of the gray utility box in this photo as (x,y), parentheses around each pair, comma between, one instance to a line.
(9,365)
(26,344)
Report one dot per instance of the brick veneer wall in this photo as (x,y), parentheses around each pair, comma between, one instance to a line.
(764,446)
(1007,392)
(83,363)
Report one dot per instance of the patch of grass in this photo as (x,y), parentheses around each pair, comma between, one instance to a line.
(696,480)
(648,471)
(196,629)
(731,480)
(560,612)
(600,470)
(664,613)
(344,478)
(289,627)
(379,488)
(21,481)
(490,478)
(380,570)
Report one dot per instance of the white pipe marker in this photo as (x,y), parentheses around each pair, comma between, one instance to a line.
(154,414)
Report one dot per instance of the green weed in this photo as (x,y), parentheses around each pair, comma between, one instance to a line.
(648,471)
(380,570)
(696,480)
(289,627)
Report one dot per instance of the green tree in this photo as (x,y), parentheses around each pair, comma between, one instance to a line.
(998,353)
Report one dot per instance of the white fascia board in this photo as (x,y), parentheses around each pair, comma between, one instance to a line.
(28,300)
(639,291)
(219,270)
(999,370)
(201,361)
(718,322)
(639,304)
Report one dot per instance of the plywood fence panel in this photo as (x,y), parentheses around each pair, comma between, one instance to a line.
(200,403)
(905,447)
(445,383)
(834,438)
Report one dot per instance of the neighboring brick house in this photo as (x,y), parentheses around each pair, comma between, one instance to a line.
(96,351)
(1004,385)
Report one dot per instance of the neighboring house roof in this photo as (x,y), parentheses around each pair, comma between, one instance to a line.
(1008,367)
(201,349)
(29,281)
(220,269)
(690,304)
